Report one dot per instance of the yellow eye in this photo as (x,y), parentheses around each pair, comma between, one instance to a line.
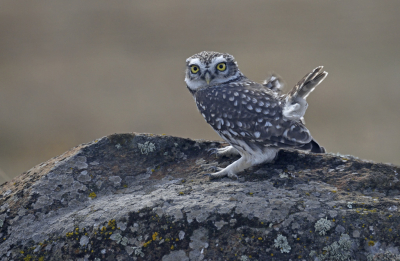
(221,67)
(194,68)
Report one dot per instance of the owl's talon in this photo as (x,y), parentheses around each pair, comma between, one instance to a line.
(212,151)
(216,176)
(214,168)
(233,176)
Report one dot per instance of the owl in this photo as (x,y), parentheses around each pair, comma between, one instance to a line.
(257,120)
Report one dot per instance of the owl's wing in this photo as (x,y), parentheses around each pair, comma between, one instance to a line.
(274,82)
(252,114)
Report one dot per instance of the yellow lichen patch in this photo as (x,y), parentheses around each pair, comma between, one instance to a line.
(371,243)
(154,236)
(334,191)
(69,234)
(172,247)
(27,258)
(111,223)
(147,243)
(92,195)
(260,238)
(41,258)
(181,193)
(125,186)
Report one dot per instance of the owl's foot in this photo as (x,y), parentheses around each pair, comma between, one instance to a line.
(221,174)
(225,151)
(213,168)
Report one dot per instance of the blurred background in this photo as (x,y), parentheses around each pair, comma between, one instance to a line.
(74,71)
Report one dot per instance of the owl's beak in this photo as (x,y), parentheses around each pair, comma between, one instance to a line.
(207,78)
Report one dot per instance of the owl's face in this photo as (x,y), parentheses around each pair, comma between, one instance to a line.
(210,68)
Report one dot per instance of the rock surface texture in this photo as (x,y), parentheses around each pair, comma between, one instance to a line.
(144,197)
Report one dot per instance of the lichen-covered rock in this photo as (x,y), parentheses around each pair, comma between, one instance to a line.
(144,197)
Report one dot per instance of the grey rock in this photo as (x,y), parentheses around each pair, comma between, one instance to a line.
(118,203)
(175,256)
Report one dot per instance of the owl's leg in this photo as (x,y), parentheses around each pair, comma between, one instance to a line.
(225,151)
(246,161)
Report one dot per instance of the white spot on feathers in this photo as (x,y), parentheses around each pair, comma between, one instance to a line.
(257,134)
(231,98)
(233,132)
(267,124)
(258,109)
(236,93)
(239,124)
(249,107)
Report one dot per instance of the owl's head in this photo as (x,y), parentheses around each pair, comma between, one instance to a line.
(210,68)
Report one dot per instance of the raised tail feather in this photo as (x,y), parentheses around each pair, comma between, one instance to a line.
(306,85)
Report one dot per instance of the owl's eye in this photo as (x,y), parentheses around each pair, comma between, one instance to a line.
(221,67)
(194,68)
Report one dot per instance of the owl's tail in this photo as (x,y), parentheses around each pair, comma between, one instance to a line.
(306,85)
(313,146)
(295,101)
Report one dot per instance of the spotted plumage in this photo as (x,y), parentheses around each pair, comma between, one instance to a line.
(255,119)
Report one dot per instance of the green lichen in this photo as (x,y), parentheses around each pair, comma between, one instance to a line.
(386,256)
(322,226)
(338,251)
(282,243)
(146,147)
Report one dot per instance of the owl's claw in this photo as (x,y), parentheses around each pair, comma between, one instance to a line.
(214,168)
(212,151)
(225,151)
(219,175)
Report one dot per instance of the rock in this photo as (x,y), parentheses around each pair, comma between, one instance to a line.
(144,197)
